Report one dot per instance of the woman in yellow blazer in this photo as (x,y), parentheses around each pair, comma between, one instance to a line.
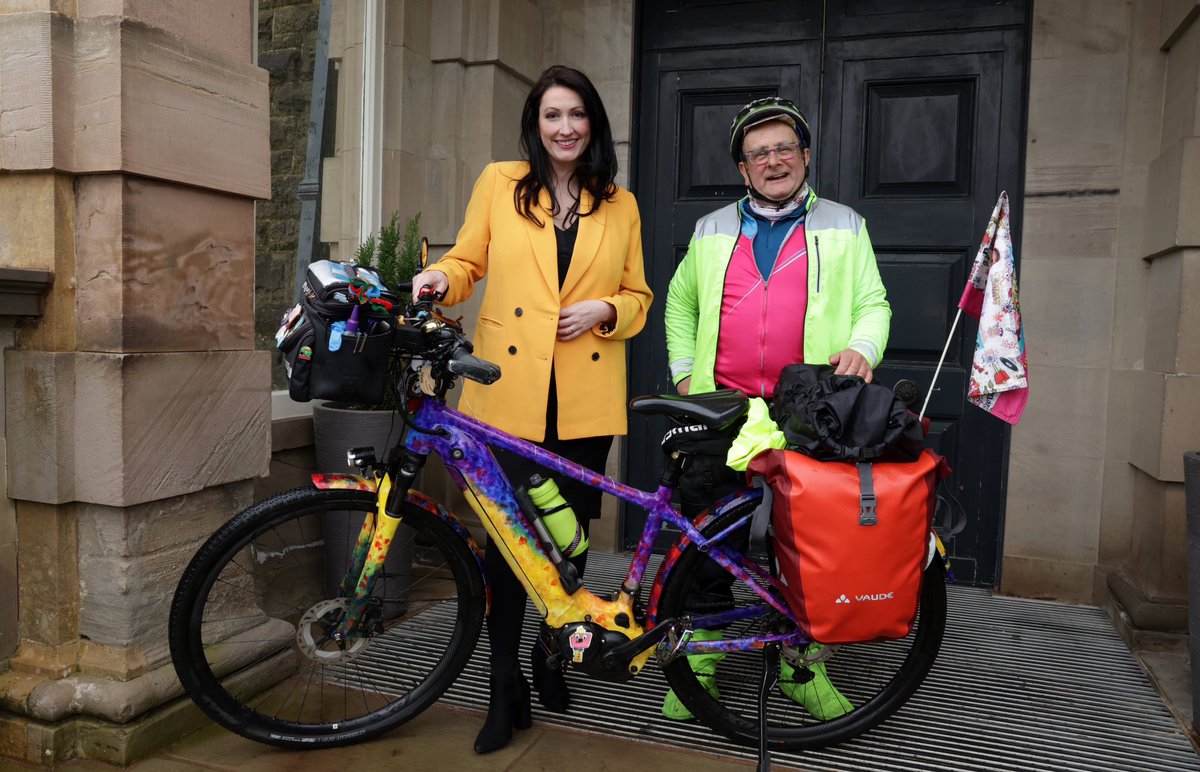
(560,244)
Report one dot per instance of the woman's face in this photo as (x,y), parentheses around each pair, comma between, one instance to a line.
(564,127)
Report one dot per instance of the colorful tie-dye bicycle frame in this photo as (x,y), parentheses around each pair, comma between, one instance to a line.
(462,442)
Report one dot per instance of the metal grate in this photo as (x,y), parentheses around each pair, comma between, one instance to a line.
(1019,685)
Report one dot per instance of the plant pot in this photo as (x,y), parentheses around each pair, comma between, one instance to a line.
(336,429)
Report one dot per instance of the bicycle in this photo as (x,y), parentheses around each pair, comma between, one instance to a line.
(350,658)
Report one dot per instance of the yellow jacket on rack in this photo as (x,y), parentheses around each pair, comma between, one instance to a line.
(518,320)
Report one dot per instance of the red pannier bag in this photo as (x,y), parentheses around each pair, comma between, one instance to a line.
(851,566)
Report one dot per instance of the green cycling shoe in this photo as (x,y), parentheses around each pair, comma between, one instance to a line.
(817,694)
(811,688)
(705,668)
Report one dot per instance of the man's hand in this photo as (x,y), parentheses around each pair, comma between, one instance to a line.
(850,362)
(435,280)
(684,386)
(578,318)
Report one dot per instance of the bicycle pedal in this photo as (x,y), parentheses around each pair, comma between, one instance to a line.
(673,644)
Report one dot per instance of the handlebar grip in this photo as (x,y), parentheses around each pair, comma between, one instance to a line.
(461,362)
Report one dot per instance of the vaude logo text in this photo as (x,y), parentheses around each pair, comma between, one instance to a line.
(877,596)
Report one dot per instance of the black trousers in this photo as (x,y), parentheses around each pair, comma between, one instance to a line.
(507,613)
(706,480)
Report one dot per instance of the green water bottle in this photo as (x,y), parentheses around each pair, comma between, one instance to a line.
(558,516)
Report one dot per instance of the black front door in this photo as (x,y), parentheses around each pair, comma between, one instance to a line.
(916,109)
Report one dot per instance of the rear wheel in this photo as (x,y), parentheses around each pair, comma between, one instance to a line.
(250,621)
(876,678)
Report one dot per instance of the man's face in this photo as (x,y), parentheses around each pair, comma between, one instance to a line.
(773,177)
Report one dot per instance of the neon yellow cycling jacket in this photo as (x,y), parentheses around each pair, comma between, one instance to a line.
(847,302)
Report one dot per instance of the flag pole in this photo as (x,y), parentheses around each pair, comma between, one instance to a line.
(942,359)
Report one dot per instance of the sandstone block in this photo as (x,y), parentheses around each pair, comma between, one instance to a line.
(404,176)
(1053,509)
(516,36)
(37,230)
(47,564)
(1163,312)
(332,188)
(1165,425)
(27,6)
(608,48)
(107,93)
(449,30)
(1174,197)
(125,429)
(1049,579)
(130,560)
(222,26)
(408,25)
(36,116)
(1159,559)
(1072,301)
(446,141)
(153,280)
(1061,90)
(408,102)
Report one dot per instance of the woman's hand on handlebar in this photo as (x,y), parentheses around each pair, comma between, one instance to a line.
(435,280)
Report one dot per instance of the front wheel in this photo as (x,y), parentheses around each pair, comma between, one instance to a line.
(874,678)
(250,621)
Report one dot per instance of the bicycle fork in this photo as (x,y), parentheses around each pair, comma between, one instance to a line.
(371,550)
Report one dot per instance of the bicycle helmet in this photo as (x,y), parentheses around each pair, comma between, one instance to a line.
(760,111)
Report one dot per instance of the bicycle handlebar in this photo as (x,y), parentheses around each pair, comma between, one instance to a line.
(430,336)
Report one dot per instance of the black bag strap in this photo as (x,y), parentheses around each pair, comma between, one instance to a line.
(866,496)
(761,518)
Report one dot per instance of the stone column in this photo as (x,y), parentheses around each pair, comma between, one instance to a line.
(133,142)
(1164,393)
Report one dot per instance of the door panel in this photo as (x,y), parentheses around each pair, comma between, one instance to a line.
(897,17)
(918,132)
(667,24)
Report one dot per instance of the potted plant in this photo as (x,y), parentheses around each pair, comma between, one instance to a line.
(337,427)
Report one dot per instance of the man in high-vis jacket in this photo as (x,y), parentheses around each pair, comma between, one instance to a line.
(775,278)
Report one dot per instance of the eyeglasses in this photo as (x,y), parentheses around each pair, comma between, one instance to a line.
(784,152)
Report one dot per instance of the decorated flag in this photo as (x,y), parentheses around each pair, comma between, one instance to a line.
(999,376)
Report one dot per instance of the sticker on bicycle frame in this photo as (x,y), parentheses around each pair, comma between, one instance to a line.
(581,641)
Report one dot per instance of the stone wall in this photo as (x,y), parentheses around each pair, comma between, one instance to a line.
(1108,279)
(134,140)
(1073,200)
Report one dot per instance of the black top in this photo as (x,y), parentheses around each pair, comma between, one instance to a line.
(566,246)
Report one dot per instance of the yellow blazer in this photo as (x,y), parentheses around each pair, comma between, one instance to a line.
(518,320)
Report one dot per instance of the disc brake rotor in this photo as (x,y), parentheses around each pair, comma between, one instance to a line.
(314,634)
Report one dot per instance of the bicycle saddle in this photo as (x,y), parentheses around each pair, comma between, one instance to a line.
(715,410)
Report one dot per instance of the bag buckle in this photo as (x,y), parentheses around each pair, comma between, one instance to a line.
(866,513)
(866,496)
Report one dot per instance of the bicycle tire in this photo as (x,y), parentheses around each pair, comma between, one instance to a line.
(249,613)
(877,678)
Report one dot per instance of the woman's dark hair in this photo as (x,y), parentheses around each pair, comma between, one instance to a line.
(597,166)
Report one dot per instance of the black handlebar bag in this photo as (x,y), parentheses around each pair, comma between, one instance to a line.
(320,364)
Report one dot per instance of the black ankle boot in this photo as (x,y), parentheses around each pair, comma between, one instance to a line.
(508,708)
(550,684)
